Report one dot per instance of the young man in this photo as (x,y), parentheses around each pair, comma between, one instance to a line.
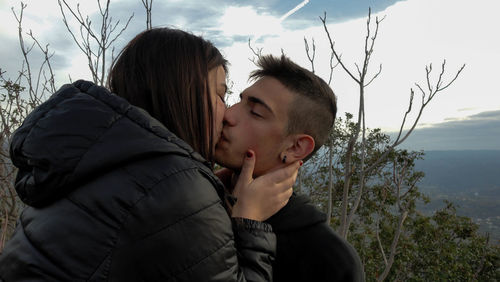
(286,115)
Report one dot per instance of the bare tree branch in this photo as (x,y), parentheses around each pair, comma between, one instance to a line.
(257,52)
(394,244)
(332,48)
(332,67)
(426,99)
(330,183)
(375,76)
(148,5)
(310,56)
(379,242)
(102,39)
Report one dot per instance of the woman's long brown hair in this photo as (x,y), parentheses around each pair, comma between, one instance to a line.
(165,72)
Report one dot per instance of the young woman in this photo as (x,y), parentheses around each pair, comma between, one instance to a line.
(120,187)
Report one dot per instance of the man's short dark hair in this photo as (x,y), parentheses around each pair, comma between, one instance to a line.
(314,107)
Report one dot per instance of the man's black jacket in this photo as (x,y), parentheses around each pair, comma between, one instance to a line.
(112,195)
(308,249)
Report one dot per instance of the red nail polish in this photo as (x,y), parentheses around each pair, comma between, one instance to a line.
(249,154)
(301,163)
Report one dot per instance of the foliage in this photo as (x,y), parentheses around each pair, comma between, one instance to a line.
(13,110)
(446,247)
(393,239)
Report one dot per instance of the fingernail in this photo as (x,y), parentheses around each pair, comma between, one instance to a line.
(301,163)
(249,154)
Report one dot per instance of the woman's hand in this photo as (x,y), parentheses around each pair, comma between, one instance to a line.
(260,198)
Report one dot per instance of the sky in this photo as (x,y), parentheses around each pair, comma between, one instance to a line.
(412,35)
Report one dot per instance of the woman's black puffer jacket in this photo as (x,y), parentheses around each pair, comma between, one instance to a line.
(112,195)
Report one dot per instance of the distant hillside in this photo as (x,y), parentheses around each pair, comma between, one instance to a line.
(461,171)
(469,179)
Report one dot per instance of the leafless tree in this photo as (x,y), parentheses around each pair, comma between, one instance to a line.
(361,78)
(17,98)
(95,43)
(333,64)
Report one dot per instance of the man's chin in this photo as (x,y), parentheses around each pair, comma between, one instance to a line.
(233,167)
(224,162)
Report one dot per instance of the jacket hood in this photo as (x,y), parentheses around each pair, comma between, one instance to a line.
(298,213)
(83,131)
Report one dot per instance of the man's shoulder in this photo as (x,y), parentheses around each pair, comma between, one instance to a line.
(323,255)
(323,237)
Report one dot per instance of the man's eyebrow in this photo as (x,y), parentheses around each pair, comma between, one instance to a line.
(256,100)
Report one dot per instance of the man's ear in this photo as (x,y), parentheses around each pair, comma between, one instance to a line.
(300,146)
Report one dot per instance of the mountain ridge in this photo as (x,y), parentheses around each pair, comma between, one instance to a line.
(468,178)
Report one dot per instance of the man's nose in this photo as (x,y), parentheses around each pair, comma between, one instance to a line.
(230,115)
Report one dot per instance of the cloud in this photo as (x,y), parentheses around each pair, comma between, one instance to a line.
(222,22)
(12,57)
(466,109)
(246,21)
(200,19)
(9,52)
(479,131)
(413,34)
(337,10)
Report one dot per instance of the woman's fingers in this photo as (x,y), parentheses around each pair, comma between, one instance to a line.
(262,197)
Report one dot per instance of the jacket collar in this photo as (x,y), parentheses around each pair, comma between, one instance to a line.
(298,213)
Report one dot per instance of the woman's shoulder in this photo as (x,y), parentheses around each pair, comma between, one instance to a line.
(180,210)
(177,192)
(170,169)
(177,182)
